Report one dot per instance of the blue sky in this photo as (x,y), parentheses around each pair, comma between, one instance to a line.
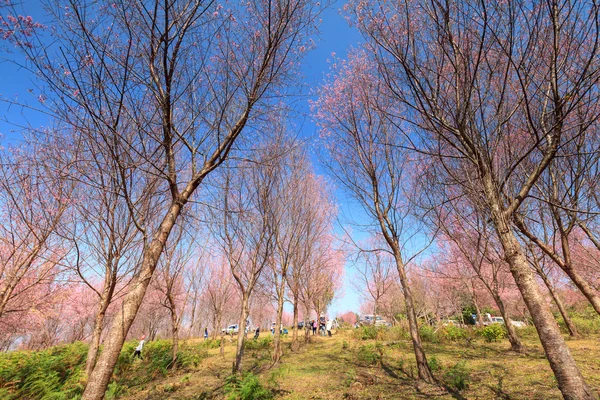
(336,38)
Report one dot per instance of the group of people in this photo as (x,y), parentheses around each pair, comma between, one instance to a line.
(324,325)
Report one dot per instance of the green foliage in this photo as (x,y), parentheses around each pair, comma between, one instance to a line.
(113,391)
(246,388)
(454,333)
(492,332)
(190,357)
(260,344)
(529,332)
(458,376)
(367,332)
(55,373)
(398,332)
(434,364)
(211,344)
(428,334)
(58,373)
(369,354)
(467,315)
(586,326)
(345,345)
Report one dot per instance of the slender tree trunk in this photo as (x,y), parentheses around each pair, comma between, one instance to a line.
(103,370)
(515,343)
(174,330)
(237,365)
(222,345)
(478,311)
(277,348)
(217,329)
(97,333)
(192,318)
(569,378)
(561,308)
(422,366)
(295,343)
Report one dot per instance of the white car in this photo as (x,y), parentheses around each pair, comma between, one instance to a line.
(370,320)
(232,330)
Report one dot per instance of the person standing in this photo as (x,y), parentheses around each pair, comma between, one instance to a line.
(257,333)
(205,333)
(138,349)
(313,325)
(329,325)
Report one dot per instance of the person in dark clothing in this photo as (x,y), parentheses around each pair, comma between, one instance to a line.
(256,332)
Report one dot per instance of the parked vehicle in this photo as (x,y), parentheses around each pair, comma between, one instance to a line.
(451,322)
(488,319)
(518,324)
(370,320)
(231,330)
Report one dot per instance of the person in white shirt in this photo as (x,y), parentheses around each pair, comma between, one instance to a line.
(329,325)
(138,349)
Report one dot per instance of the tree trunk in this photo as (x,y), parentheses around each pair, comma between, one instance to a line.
(222,345)
(561,308)
(277,349)
(174,331)
(295,343)
(569,378)
(103,370)
(192,318)
(307,333)
(515,343)
(478,311)
(97,333)
(565,264)
(237,365)
(422,366)
(584,287)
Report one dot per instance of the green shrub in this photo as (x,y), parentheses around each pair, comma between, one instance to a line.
(211,344)
(428,334)
(434,364)
(458,376)
(113,391)
(246,388)
(492,332)
(190,357)
(528,331)
(260,344)
(54,373)
(586,326)
(398,332)
(454,333)
(369,354)
(367,332)
(345,345)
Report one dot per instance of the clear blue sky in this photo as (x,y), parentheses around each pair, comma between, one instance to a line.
(336,37)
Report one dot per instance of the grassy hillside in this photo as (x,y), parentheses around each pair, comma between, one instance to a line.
(353,364)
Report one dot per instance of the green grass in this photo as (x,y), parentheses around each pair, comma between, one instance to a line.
(351,365)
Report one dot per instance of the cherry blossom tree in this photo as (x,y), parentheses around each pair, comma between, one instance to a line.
(490,94)
(365,157)
(34,197)
(162,91)
(244,232)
